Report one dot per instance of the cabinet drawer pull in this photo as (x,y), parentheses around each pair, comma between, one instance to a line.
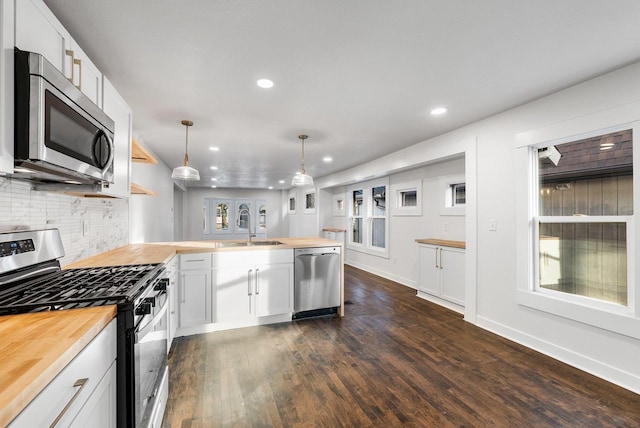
(80,384)
(198,260)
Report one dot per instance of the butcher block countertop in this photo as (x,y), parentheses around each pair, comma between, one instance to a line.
(36,347)
(443,243)
(162,252)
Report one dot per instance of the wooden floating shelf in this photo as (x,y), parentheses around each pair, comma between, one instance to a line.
(140,154)
(137,189)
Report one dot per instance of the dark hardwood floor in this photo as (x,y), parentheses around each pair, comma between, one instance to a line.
(393,360)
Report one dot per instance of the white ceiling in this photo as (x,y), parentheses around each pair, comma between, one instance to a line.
(359,76)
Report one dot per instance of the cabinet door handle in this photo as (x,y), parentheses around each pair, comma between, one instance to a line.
(70,53)
(78,62)
(257,281)
(249,293)
(440,257)
(184,291)
(437,258)
(80,384)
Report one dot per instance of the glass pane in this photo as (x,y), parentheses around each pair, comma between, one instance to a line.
(357,203)
(586,259)
(310,200)
(262,217)
(292,204)
(356,236)
(222,216)
(459,194)
(243,216)
(379,198)
(377,232)
(409,198)
(593,176)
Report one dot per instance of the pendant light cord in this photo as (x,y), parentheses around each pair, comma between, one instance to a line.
(302,137)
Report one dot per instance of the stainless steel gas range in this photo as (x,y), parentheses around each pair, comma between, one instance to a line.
(31,280)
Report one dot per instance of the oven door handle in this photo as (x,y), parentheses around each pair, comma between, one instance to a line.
(142,331)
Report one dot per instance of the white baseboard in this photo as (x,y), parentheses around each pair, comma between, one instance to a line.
(229,325)
(395,278)
(434,299)
(611,374)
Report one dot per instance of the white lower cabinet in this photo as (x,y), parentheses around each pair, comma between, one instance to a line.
(83,394)
(441,273)
(251,287)
(174,283)
(195,289)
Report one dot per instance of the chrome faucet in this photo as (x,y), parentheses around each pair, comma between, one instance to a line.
(246,210)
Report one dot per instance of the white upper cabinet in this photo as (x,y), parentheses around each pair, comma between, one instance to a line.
(6,85)
(85,75)
(38,30)
(118,110)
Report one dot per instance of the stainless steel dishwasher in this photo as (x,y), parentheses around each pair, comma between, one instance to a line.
(316,289)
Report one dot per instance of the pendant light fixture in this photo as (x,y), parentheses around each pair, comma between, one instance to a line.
(301,178)
(185,172)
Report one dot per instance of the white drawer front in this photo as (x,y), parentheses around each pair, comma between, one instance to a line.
(195,261)
(252,257)
(91,364)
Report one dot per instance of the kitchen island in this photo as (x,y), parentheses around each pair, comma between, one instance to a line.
(37,347)
(163,252)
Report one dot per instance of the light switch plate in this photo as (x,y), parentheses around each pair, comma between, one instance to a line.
(493,225)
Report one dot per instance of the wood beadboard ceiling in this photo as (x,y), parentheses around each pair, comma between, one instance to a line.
(359,77)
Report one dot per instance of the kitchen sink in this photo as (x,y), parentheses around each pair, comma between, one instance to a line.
(266,243)
(228,244)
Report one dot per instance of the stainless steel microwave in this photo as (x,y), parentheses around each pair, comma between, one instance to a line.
(60,134)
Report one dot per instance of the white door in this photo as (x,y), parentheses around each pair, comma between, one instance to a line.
(452,269)
(234,290)
(429,270)
(274,288)
(195,298)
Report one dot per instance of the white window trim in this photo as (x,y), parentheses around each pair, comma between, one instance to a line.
(367,218)
(396,194)
(584,310)
(444,188)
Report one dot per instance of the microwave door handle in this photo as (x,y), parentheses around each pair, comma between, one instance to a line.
(109,146)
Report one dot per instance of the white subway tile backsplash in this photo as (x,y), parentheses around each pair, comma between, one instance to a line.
(88,226)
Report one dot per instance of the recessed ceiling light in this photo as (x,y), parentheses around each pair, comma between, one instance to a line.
(214,179)
(438,111)
(214,186)
(213,167)
(265,83)
(214,149)
(281,181)
(270,187)
(327,159)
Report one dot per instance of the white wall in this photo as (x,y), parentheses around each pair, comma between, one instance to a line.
(193,200)
(302,222)
(492,172)
(401,266)
(151,218)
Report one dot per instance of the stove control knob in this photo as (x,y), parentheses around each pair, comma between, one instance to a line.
(162,284)
(143,308)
